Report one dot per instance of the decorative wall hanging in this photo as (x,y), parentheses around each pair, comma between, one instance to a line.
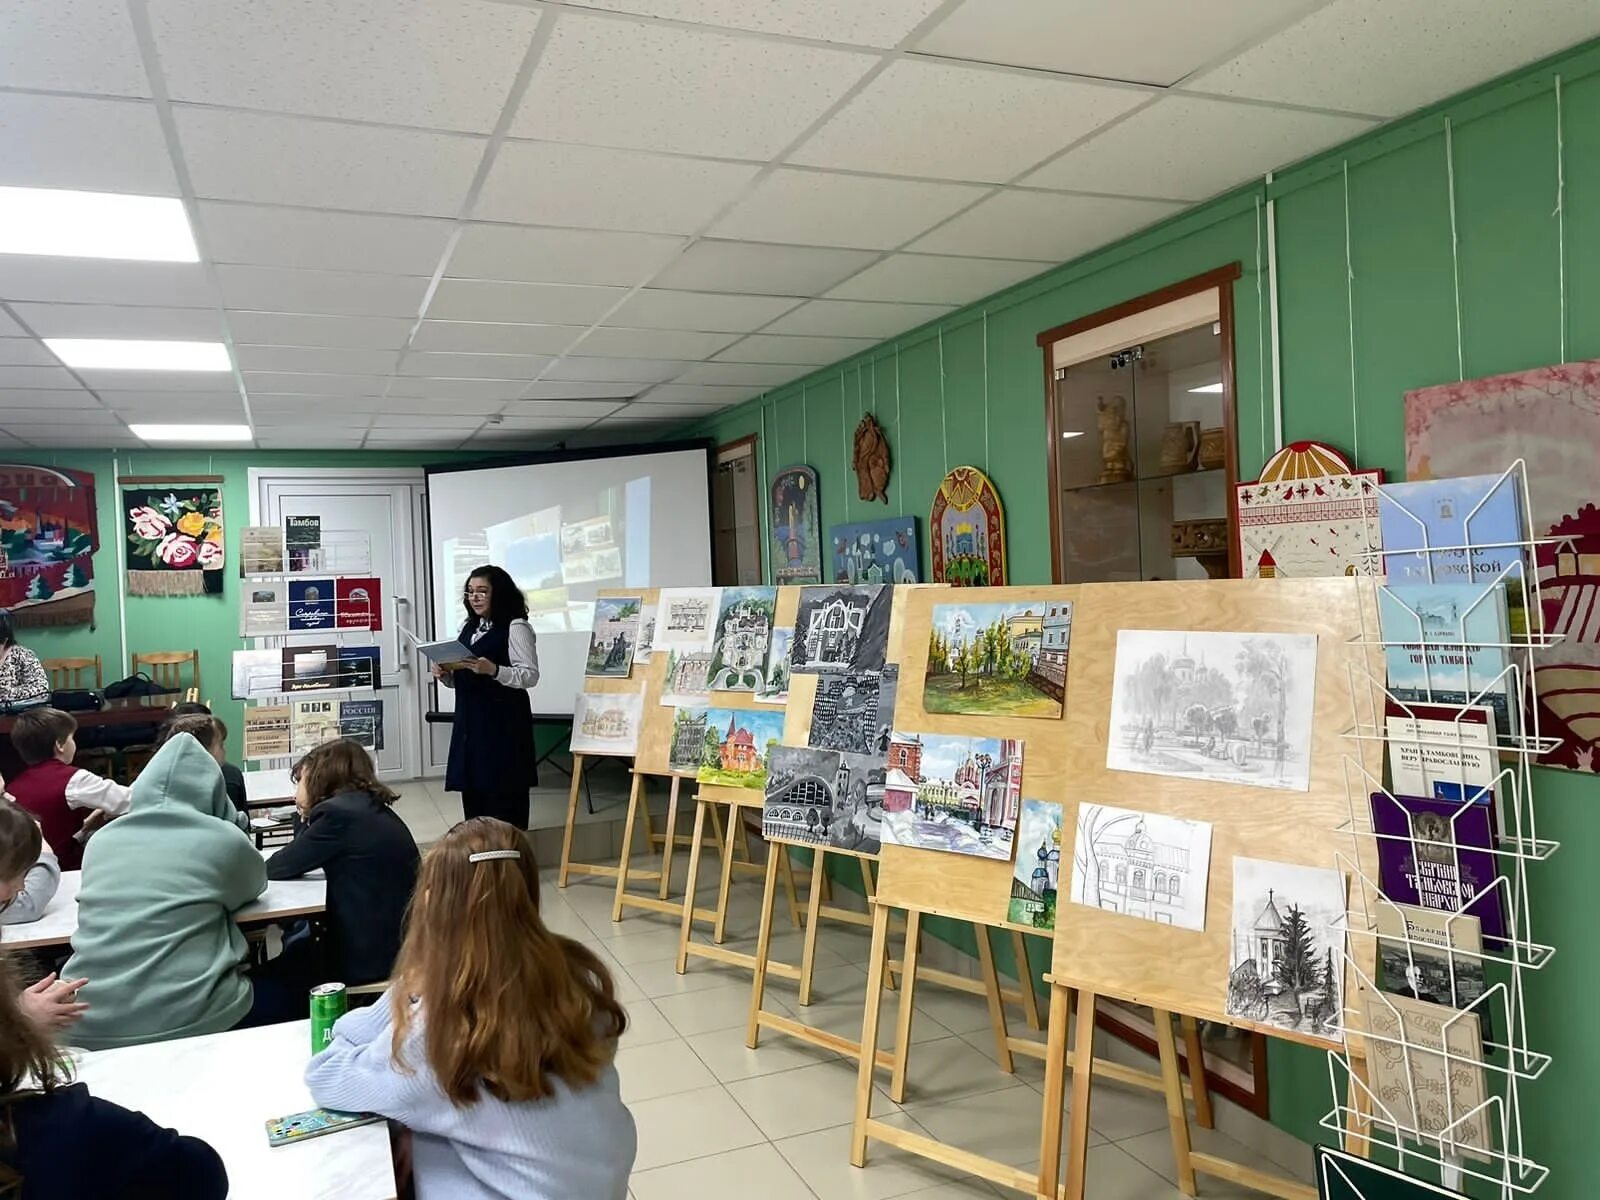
(174,534)
(796,527)
(883,551)
(1310,514)
(48,536)
(871,460)
(1549,418)
(968,530)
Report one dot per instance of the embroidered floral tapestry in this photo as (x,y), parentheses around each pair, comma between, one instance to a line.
(174,540)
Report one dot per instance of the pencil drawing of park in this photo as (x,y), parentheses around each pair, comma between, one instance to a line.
(1224,707)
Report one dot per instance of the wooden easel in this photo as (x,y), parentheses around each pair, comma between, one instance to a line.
(604,870)
(659,902)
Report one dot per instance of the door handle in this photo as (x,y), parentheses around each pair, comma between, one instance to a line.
(405,659)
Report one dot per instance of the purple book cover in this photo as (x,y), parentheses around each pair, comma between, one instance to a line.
(1424,869)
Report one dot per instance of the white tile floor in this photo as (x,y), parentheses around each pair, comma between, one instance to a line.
(717,1120)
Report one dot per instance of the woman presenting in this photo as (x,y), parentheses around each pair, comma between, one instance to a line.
(491,742)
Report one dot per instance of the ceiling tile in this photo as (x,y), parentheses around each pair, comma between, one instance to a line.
(277,408)
(306,329)
(109,437)
(1110,41)
(659,309)
(483,337)
(704,395)
(1011,224)
(436,420)
(739,374)
(121,321)
(558,390)
(415,439)
(667,412)
(560,255)
(309,439)
(403,389)
(36,378)
(685,91)
(90,145)
(630,418)
(327,241)
(98,281)
(444,64)
(567,409)
(757,267)
(856,318)
(20,419)
(771,348)
(346,293)
(614,370)
(25,352)
(521,367)
(1364,55)
(393,404)
(651,343)
(1192,147)
(522,303)
(961,122)
(179,408)
(70,46)
(520,425)
(313,385)
(157,381)
(548,184)
(8,327)
(242,156)
(121,399)
(856,22)
(28,397)
(315,359)
(823,209)
(935,278)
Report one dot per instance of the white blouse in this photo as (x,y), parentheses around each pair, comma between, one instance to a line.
(523,649)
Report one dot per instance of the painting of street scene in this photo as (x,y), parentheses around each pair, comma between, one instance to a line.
(1286,966)
(613,636)
(737,743)
(741,637)
(1222,707)
(959,794)
(824,798)
(1004,660)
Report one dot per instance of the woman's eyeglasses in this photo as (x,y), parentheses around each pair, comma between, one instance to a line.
(484,592)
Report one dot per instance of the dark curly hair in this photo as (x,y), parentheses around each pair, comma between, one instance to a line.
(506,601)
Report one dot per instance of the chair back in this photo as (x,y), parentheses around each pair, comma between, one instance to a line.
(69,673)
(167,668)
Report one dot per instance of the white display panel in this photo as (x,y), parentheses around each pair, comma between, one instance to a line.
(565,530)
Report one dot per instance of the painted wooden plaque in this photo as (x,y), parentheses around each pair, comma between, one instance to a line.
(967,528)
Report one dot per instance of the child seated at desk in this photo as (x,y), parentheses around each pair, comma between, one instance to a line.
(68,802)
(63,1142)
(156,929)
(495,1045)
(29,877)
(213,735)
(369,858)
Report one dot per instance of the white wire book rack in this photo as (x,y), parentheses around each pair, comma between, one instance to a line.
(1439,859)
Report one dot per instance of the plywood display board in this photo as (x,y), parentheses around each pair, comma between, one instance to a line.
(962,886)
(1161,965)
(651,747)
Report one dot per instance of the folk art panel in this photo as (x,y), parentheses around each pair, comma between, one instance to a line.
(1311,514)
(796,527)
(175,543)
(48,536)
(967,531)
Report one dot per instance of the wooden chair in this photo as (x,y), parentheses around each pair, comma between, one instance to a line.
(68,673)
(166,668)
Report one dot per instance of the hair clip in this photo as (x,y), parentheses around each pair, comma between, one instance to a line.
(487,855)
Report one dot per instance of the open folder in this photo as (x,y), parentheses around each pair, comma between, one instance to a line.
(450,654)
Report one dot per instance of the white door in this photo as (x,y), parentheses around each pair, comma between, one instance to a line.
(386,506)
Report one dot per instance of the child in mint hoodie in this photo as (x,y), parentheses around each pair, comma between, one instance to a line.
(156,936)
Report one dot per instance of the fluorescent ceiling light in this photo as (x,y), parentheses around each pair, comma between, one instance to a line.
(192,433)
(116,354)
(1211,388)
(94,225)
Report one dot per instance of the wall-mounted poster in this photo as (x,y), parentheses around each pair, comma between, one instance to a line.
(1220,707)
(174,539)
(796,527)
(967,531)
(876,551)
(1004,660)
(1549,418)
(48,536)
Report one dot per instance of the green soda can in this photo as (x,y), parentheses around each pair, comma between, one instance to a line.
(329,1001)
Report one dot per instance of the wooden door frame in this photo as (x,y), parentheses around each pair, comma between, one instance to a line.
(752,440)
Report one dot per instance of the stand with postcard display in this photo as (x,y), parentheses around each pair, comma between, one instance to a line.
(964,887)
(1441,870)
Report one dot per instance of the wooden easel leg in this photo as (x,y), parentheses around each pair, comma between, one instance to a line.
(808,953)
(792,896)
(649,827)
(720,930)
(908,988)
(758,984)
(736,819)
(572,820)
(635,789)
(1055,1087)
(1203,1115)
(1078,1110)
(1177,1113)
(717,834)
(991,995)
(1030,999)
(870,890)
(689,896)
(672,838)
(869,1033)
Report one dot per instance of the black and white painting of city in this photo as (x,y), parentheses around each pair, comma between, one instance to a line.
(740,639)
(839,629)
(1286,965)
(687,750)
(855,713)
(1147,865)
(823,798)
(1223,707)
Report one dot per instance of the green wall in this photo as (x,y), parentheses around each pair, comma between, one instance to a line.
(969,390)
